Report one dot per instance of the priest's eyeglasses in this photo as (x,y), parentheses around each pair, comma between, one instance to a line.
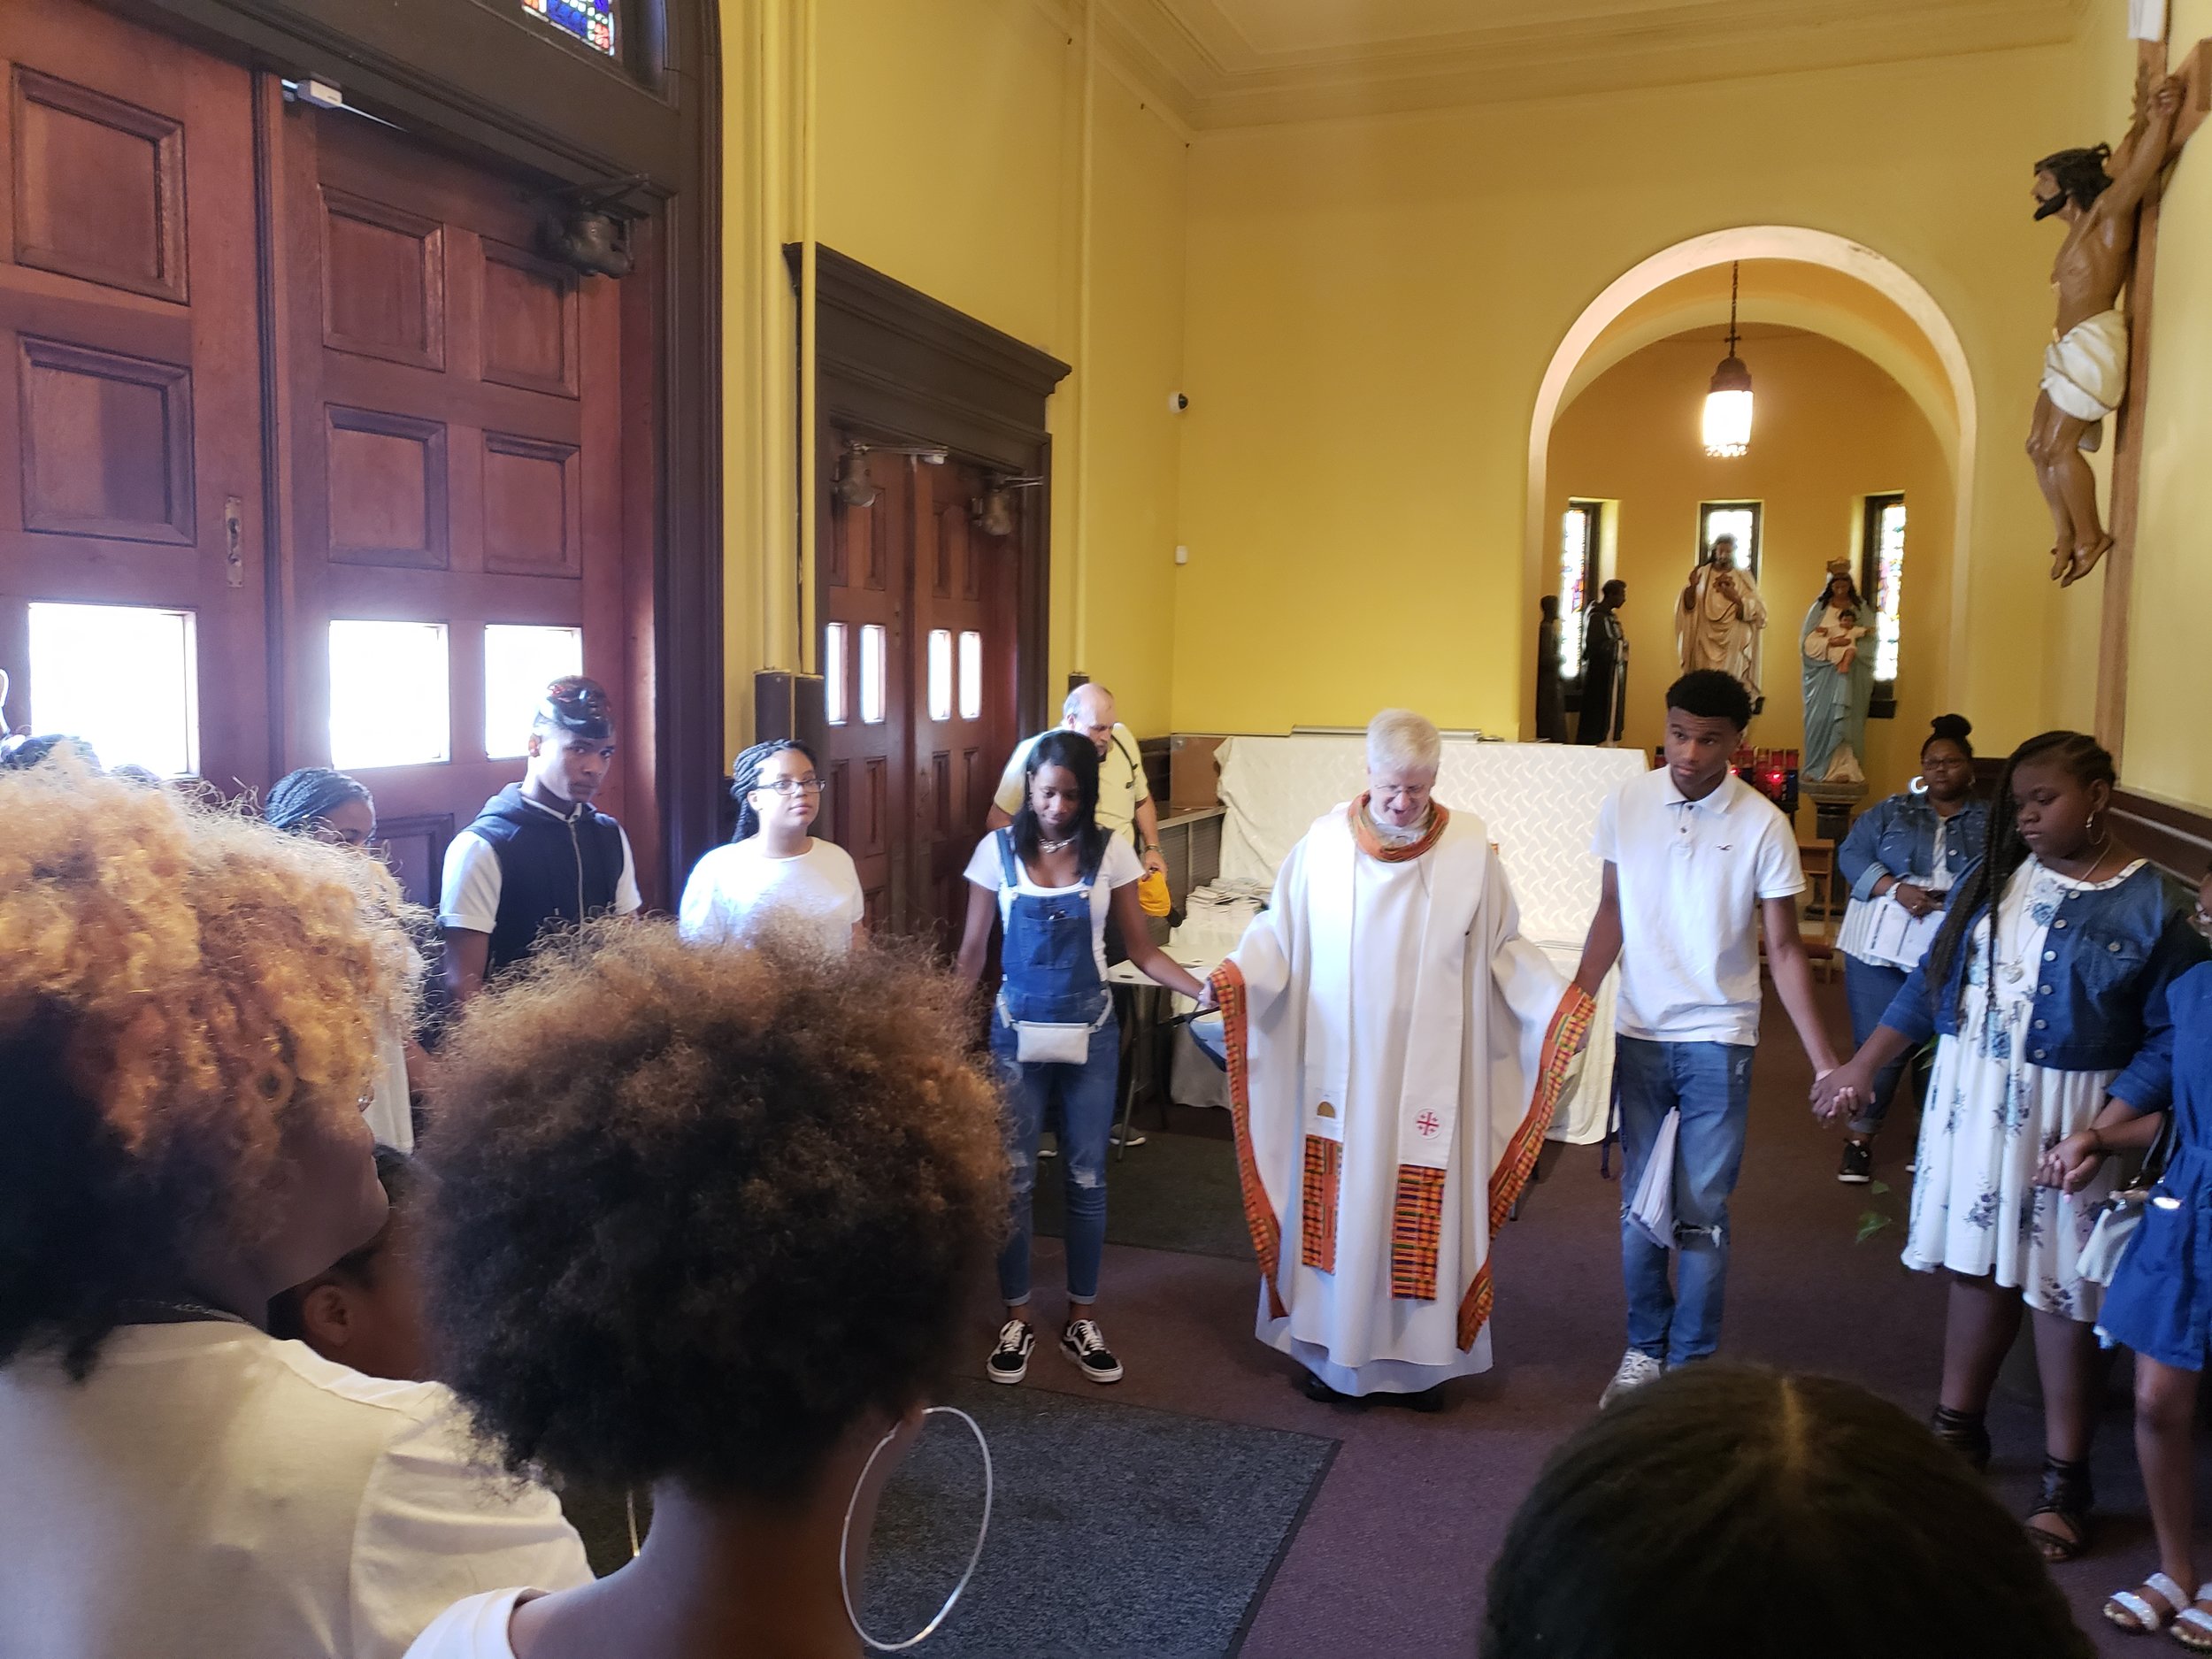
(1395,791)
(788,786)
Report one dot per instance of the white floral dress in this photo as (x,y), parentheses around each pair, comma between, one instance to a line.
(1991,1116)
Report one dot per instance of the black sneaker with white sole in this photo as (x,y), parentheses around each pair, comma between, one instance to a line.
(1858,1163)
(1084,1343)
(1010,1360)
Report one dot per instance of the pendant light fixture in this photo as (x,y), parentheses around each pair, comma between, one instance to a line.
(1728,405)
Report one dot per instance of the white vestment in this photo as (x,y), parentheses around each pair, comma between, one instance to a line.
(1391,1028)
(2085,370)
(1715,631)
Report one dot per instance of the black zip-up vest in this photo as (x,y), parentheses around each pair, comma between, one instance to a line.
(553,871)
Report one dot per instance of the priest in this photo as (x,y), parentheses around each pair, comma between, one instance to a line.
(1396,1051)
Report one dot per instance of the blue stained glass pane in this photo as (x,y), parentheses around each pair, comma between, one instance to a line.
(590,22)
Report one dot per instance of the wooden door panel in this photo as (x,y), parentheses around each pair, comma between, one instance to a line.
(129,328)
(459,408)
(99,186)
(869,769)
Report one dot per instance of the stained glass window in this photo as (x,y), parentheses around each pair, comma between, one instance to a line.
(1884,579)
(1737,518)
(1578,570)
(590,22)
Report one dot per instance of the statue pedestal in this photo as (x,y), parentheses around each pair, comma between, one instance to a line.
(1832,803)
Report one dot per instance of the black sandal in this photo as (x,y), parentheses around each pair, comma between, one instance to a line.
(2069,1497)
(1965,1432)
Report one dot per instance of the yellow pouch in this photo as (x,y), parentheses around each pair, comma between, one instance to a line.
(1152,893)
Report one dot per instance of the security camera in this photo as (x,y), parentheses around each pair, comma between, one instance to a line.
(1177,403)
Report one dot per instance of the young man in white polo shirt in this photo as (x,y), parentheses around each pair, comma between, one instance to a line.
(1696,861)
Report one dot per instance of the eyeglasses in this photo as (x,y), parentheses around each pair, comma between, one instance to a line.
(788,786)
(1410,791)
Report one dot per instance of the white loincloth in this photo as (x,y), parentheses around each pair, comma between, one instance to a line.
(2085,372)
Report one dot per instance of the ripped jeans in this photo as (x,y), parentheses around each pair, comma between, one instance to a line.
(1711,1083)
(1086,1097)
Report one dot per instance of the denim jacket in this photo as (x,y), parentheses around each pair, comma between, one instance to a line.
(2107,960)
(1896,837)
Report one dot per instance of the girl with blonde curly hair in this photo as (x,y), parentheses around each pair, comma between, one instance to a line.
(189,1008)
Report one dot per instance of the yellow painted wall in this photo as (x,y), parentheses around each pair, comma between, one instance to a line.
(1373,303)
(2170,672)
(949,153)
(1831,429)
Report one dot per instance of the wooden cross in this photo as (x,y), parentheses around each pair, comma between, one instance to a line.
(2195,75)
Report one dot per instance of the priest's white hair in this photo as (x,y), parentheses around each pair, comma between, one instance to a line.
(1399,740)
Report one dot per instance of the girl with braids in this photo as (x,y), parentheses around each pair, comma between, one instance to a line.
(339,811)
(774,876)
(2043,1015)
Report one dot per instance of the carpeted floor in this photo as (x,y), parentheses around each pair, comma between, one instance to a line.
(1393,1552)
(1118,1531)
(1174,1193)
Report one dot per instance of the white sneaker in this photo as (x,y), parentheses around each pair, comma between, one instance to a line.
(1637,1370)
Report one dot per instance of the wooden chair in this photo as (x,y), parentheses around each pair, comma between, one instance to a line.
(1818,860)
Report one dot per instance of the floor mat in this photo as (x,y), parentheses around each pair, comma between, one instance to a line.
(1119,1533)
(1174,1193)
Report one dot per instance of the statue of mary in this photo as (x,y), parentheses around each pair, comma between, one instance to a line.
(1838,680)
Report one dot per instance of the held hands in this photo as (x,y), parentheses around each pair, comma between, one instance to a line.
(1837,1092)
(2073,1163)
(1917,901)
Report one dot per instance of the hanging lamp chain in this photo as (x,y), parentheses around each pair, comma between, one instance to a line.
(1735,270)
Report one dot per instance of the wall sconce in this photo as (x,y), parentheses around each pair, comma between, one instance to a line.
(854,487)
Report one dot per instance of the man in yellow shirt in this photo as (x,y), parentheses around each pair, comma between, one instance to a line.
(1124,803)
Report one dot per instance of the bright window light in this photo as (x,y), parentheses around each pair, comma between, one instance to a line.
(519,662)
(390,704)
(970,676)
(1889,589)
(834,674)
(940,674)
(871,673)
(1577,557)
(124,678)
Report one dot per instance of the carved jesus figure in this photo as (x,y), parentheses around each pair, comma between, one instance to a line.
(2086,367)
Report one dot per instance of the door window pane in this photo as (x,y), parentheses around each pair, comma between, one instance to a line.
(519,662)
(590,22)
(389,702)
(871,673)
(971,675)
(940,674)
(124,678)
(834,674)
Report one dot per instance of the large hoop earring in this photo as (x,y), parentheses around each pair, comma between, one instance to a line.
(844,1538)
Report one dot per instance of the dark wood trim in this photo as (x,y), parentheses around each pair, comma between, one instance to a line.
(2176,838)
(906,368)
(480,78)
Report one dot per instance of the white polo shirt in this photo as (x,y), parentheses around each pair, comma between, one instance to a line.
(1692,875)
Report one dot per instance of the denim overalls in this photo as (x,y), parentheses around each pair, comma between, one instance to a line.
(1050,964)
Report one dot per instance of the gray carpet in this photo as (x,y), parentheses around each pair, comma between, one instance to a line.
(1174,1193)
(1120,1533)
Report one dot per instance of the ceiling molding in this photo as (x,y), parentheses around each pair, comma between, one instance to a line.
(1198,59)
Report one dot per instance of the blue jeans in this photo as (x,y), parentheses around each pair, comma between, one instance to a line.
(1710,1082)
(1871,987)
(1085,1096)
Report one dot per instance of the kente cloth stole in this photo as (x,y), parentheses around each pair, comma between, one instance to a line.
(1564,1041)
(1428,1103)
(1317,1203)
(1259,1216)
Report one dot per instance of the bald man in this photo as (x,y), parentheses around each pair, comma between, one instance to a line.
(1124,803)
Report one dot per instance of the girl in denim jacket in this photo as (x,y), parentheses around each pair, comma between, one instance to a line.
(2058,1008)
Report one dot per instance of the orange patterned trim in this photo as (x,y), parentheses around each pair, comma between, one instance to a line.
(1417,1222)
(1474,1309)
(1371,844)
(1570,1030)
(1267,1231)
(1317,1203)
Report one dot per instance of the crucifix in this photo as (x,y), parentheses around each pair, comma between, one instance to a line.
(2194,81)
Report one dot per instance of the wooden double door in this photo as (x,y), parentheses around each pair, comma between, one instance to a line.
(919,654)
(310,457)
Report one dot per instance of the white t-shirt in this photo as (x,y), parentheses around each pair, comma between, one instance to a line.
(468,894)
(210,1491)
(1121,785)
(738,892)
(1692,875)
(473,1629)
(1117,869)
